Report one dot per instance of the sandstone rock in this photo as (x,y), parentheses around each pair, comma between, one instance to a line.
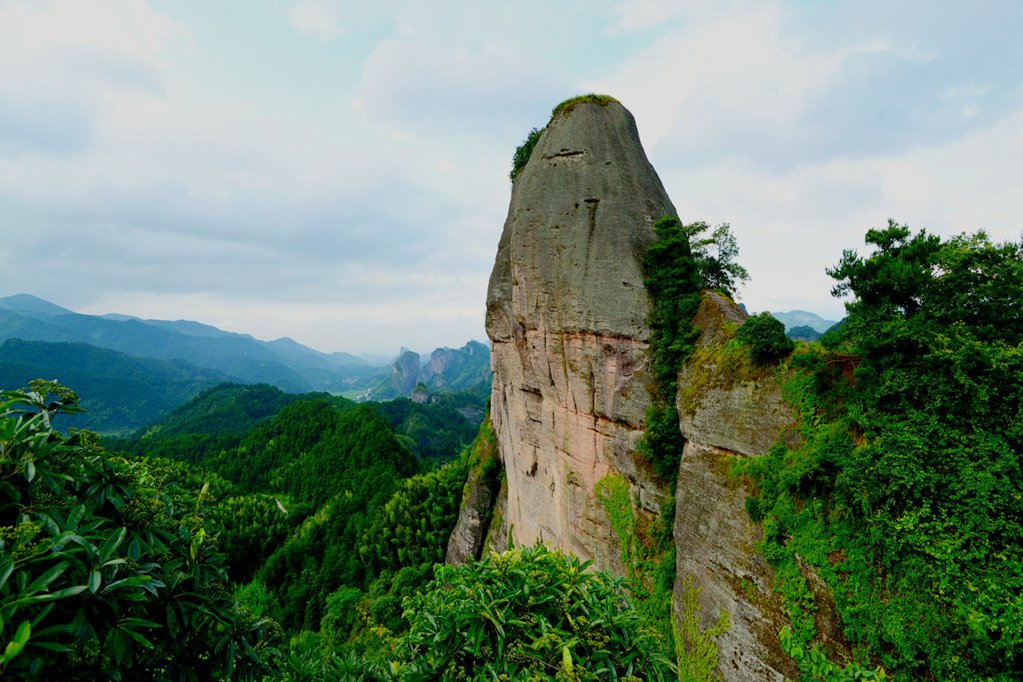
(723,400)
(566,316)
(714,538)
(466,542)
(728,408)
(497,536)
(478,500)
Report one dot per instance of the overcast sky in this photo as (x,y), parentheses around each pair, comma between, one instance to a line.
(337,171)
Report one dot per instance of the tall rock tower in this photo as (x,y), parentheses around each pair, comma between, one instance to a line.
(566,314)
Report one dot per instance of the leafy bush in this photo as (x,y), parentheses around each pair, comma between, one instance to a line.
(106,570)
(524,151)
(765,337)
(528,613)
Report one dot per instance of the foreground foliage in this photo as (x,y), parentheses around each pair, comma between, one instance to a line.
(107,571)
(529,613)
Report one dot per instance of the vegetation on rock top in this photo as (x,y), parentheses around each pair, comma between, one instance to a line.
(569,104)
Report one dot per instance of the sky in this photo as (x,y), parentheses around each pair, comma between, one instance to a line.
(336,171)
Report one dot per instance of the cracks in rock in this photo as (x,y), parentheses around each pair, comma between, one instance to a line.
(591,206)
(564,154)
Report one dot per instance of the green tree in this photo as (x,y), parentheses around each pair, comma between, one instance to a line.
(714,252)
(907,492)
(765,337)
(673,281)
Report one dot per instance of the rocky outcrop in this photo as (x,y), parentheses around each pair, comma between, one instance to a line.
(727,409)
(405,373)
(478,500)
(449,370)
(566,316)
(461,369)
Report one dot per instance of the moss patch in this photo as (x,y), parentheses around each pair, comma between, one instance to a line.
(591,98)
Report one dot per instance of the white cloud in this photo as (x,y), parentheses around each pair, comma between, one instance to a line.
(425,83)
(759,81)
(317,18)
(144,173)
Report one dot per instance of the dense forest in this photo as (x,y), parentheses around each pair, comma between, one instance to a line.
(254,534)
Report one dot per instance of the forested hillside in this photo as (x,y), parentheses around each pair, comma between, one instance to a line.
(309,506)
(120,393)
(905,493)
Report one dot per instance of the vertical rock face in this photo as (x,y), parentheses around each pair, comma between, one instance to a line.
(566,316)
(477,510)
(728,409)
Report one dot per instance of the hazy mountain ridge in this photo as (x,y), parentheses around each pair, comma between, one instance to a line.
(283,362)
(111,358)
(119,392)
(804,318)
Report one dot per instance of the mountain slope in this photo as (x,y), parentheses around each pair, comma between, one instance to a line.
(119,393)
(283,363)
(803,318)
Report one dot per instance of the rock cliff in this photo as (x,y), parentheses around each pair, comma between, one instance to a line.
(404,373)
(728,409)
(566,316)
(567,319)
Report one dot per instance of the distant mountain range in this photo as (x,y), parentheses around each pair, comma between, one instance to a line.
(130,371)
(283,363)
(448,370)
(802,318)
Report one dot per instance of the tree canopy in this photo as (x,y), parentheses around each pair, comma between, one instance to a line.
(907,494)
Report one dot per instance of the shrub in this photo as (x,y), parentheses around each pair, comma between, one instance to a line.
(524,151)
(765,337)
(107,571)
(592,98)
(534,612)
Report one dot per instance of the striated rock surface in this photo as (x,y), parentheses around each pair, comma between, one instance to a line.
(478,500)
(727,409)
(566,316)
